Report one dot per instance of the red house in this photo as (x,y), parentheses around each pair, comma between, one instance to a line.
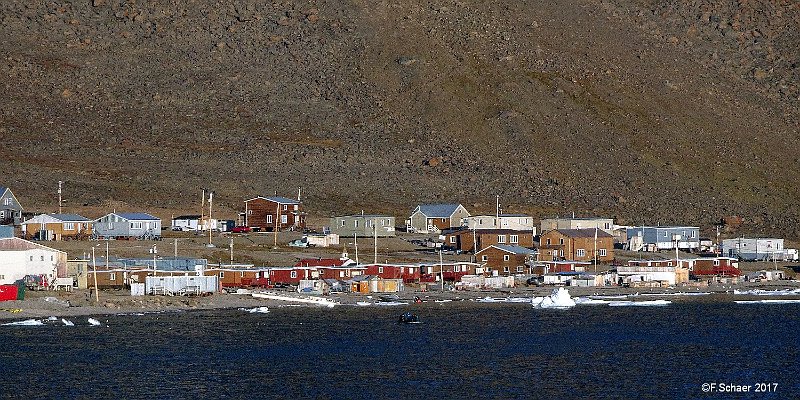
(408,273)
(324,262)
(271,213)
(716,266)
(292,275)
(340,273)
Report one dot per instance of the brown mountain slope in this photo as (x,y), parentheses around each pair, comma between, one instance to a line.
(613,107)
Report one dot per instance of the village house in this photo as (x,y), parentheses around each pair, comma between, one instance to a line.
(374,284)
(554,267)
(577,245)
(186,223)
(754,249)
(604,224)
(465,240)
(128,226)
(10,209)
(20,258)
(408,273)
(275,212)
(506,260)
(430,218)
(363,225)
(344,272)
(657,238)
(325,262)
(713,266)
(664,272)
(516,222)
(57,227)
(451,271)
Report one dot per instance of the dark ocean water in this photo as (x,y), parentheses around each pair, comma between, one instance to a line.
(496,351)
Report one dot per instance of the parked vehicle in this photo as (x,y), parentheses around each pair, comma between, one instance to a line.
(240,229)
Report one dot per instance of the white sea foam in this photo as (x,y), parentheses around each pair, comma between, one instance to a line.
(391,303)
(640,303)
(27,322)
(588,301)
(94,322)
(677,294)
(67,322)
(559,299)
(759,292)
(787,301)
(256,310)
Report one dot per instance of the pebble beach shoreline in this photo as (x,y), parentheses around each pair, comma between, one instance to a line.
(82,302)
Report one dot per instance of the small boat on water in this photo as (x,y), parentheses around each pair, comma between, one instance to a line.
(409,318)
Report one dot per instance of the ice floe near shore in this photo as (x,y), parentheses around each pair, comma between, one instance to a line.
(760,292)
(559,299)
(786,301)
(639,303)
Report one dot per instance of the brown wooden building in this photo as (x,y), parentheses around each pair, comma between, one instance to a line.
(505,259)
(466,239)
(271,213)
(576,245)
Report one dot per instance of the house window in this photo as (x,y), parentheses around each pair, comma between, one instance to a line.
(295,207)
(112,276)
(221,274)
(514,239)
(484,258)
(501,238)
(561,241)
(355,223)
(506,257)
(343,222)
(7,201)
(716,263)
(2,214)
(601,252)
(520,269)
(2,277)
(293,274)
(665,234)
(136,225)
(341,274)
(241,274)
(580,252)
(42,258)
(669,264)
(69,226)
(110,226)
(452,239)
(548,241)
(51,258)
(387,222)
(380,270)
(269,218)
(285,207)
(505,269)
(31,258)
(284,218)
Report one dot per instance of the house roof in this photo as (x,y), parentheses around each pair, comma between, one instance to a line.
(69,217)
(137,216)
(275,199)
(510,249)
(323,262)
(438,210)
(55,218)
(2,189)
(16,244)
(463,231)
(364,216)
(583,233)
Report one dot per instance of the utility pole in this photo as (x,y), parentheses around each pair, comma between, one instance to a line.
(275,225)
(59,196)
(441,268)
(202,209)
(231,245)
(375,237)
(176,248)
(94,265)
(210,203)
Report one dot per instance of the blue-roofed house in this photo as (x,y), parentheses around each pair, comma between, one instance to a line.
(57,227)
(10,209)
(504,259)
(127,226)
(274,213)
(431,218)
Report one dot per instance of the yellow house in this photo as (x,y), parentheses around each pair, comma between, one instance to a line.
(57,227)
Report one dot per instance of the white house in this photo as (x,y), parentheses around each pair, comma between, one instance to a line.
(604,224)
(128,225)
(517,222)
(19,257)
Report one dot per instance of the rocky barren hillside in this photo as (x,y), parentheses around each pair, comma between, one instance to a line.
(650,111)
